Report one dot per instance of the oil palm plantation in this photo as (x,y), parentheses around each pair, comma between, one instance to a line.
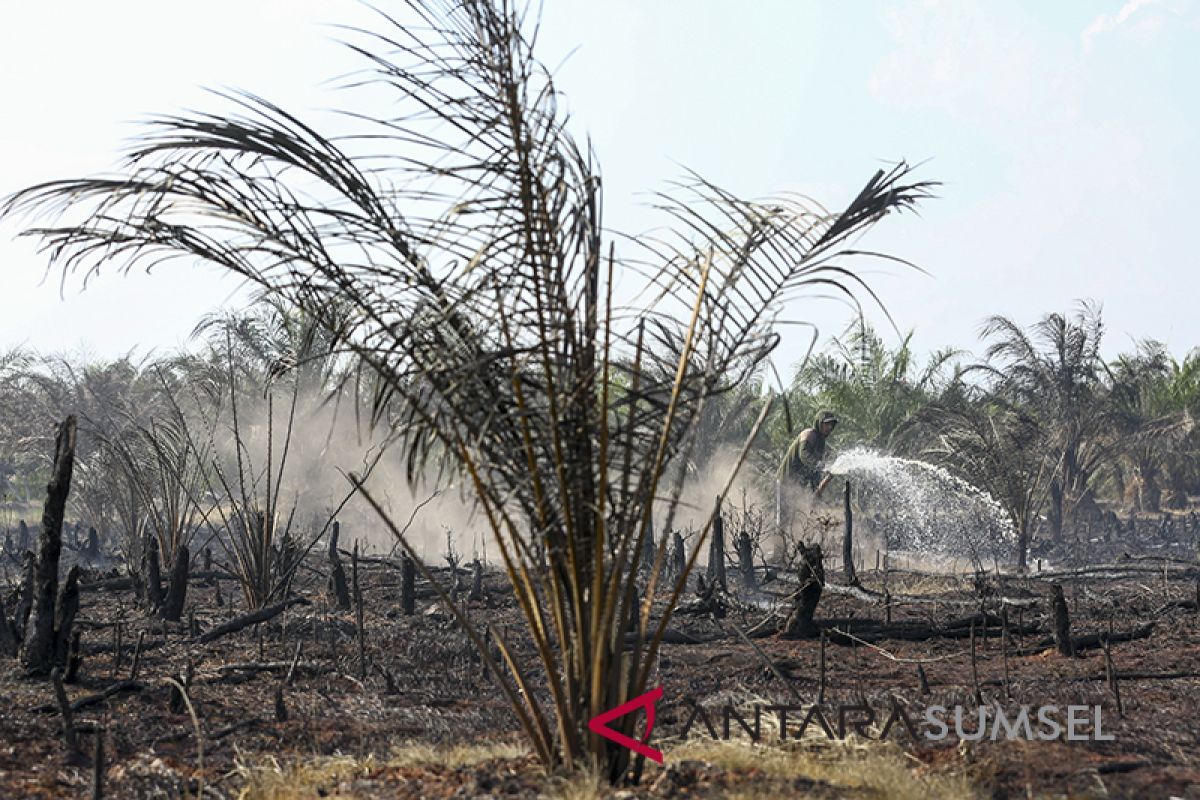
(459,234)
(1053,372)
(875,389)
(1152,401)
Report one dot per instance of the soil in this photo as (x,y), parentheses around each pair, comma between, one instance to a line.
(424,684)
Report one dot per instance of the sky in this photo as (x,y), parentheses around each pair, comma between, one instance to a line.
(1065,136)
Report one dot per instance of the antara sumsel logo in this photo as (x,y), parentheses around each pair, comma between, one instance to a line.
(1031,723)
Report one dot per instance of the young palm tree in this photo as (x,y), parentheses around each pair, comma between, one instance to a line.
(1151,408)
(876,390)
(1053,372)
(994,446)
(459,236)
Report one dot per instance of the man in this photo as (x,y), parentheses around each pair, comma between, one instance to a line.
(805,457)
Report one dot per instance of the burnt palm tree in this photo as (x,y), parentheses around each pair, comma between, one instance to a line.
(459,235)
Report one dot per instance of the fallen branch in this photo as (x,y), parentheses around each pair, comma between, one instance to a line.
(253,618)
(309,667)
(92,699)
(1091,641)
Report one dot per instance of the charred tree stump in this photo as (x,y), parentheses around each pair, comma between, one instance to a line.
(64,708)
(177,702)
(8,635)
(745,551)
(359,616)
(821,671)
(922,680)
(408,590)
(152,575)
(98,766)
(22,536)
(646,565)
(975,668)
(137,656)
(1062,622)
(172,607)
(25,597)
(716,551)
(281,713)
(74,659)
(337,575)
(38,645)
(64,616)
(476,580)
(848,542)
(812,580)
(678,556)
(91,550)
(1110,672)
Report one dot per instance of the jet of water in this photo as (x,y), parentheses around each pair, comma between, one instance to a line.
(924,508)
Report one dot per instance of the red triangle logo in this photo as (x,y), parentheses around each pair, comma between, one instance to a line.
(599,724)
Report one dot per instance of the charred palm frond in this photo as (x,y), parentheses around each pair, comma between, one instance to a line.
(460,238)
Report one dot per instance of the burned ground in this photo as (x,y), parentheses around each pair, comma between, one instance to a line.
(425,721)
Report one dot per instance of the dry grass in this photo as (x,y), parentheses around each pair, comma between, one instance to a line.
(329,776)
(853,768)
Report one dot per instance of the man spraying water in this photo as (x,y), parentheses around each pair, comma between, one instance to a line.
(805,458)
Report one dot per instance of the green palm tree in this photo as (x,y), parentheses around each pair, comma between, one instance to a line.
(994,446)
(875,389)
(1053,372)
(1151,401)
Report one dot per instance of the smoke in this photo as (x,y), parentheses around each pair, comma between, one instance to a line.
(312,462)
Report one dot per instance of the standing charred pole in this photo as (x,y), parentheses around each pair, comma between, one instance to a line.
(812,581)
(1062,622)
(678,556)
(848,542)
(37,652)
(716,551)
(152,571)
(337,574)
(172,607)
(408,591)
(745,551)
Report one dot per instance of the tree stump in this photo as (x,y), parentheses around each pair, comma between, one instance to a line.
(91,551)
(1062,622)
(678,556)
(172,607)
(745,551)
(64,617)
(716,551)
(812,580)
(38,646)
(848,542)
(647,559)
(152,573)
(337,575)
(408,589)
(476,580)
(8,635)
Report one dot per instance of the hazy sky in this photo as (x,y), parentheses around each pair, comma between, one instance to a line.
(1066,135)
